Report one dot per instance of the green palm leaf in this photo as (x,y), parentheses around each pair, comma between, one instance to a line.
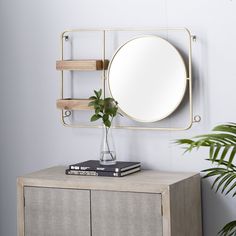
(222,151)
(223,138)
(229,229)
(228,128)
(224,163)
(225,177)
(232,155)
(216,152)
(221,143)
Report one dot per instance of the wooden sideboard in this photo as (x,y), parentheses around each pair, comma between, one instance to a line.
(147,203)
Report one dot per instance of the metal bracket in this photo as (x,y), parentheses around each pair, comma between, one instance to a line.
(197,119)
(66,37)
(67,113)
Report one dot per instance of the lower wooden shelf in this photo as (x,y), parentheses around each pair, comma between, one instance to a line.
(73,104)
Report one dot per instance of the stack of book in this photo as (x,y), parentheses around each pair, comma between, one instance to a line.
(93,168)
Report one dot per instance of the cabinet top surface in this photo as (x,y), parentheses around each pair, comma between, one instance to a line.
(145,180)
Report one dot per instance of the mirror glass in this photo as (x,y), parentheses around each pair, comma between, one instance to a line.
(147,77)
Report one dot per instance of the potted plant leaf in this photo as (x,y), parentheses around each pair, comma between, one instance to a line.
(222,148)
(106,110)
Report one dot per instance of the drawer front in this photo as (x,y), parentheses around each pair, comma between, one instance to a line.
(126,214)
(56,212)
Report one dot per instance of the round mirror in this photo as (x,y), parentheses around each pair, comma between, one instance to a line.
(147,77)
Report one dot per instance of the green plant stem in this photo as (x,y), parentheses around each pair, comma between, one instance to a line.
(106,137)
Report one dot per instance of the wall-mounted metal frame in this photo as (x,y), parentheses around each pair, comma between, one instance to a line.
(191,38)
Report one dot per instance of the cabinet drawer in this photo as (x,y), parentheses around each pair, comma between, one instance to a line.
(56,212)
(126,214)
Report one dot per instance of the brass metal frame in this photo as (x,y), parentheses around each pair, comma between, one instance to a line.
(191,38)
(182,60)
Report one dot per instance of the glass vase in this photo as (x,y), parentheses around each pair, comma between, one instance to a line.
(107,154)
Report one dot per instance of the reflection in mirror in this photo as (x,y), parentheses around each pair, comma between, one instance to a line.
(147,76)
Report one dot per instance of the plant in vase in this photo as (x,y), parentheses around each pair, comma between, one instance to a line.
(222,150)
(105,109)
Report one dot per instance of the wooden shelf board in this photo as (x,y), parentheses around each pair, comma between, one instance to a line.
(73,104)
(82,65)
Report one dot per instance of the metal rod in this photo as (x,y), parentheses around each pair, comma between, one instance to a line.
(103,71)
(125,29)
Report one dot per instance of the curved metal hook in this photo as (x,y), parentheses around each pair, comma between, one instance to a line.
(67,113)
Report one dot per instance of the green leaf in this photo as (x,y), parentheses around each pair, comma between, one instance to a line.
(218,147)
(203,142)
(232,155)
(97,110)
(92,98)
(229,181)
(222,138)
(225,163)
(225,178)
(101,102)
(213,172)
(224,153)
(228,230)
(107,123)
(234,194)
(105,117)
(184,141)
(97,106)
(109,100)
(212,148)
(112,112)
(91,104)
(98,93)
(228,128)
(231,188)
(217,179)
(109,111)
(95,117)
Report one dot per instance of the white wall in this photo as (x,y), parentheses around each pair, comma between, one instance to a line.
(31,134)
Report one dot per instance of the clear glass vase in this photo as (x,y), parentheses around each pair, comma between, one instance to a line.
(107,154)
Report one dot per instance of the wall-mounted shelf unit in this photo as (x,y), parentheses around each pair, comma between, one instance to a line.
(73,104)
(82,65)
(67,104)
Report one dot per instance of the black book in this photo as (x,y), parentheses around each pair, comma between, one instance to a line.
(102,173)
(94,165)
